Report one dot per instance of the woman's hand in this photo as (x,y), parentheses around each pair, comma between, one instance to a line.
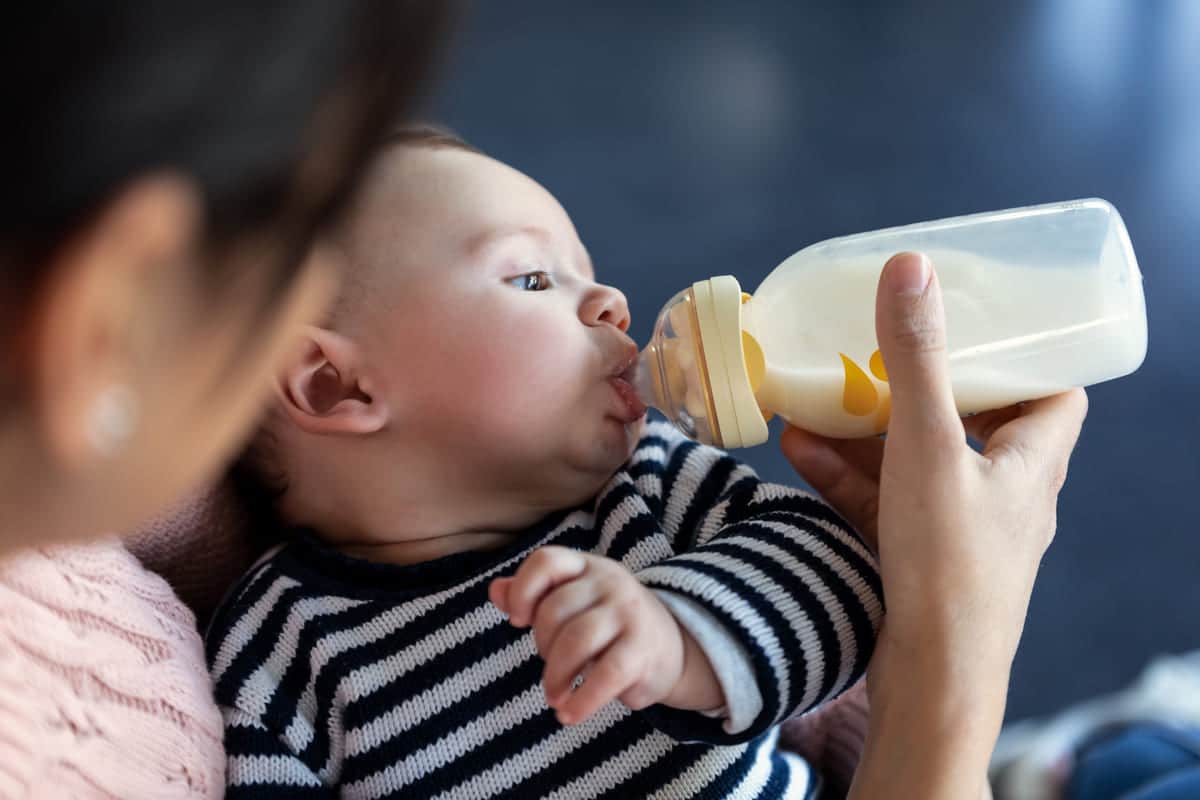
(960,537)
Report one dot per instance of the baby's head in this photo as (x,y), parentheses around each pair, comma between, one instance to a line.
(468,376)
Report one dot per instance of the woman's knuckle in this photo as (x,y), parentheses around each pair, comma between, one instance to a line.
(1058,477)
(920,336)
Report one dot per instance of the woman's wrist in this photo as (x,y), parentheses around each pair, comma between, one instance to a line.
(933,723)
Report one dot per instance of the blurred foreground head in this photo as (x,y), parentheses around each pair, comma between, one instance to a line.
(165,167)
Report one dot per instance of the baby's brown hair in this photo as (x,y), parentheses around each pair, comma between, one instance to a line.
(257,475)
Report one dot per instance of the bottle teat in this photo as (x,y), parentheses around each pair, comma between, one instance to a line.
(701,369)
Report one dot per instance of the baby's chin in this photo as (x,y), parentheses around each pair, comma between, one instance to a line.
(604,457)
(573,469)
(633,434)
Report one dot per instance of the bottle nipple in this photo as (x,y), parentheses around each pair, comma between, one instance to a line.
(701,369)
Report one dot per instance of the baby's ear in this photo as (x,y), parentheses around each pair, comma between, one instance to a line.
(324,392)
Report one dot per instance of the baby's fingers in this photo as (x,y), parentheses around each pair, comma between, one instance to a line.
(545,568)
(498,593)
(581,640)
(616,671)
(559,606)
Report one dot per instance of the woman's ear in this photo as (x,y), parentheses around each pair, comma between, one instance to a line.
(84,345)
(324,391)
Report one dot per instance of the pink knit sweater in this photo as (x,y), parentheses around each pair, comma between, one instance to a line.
(103,687)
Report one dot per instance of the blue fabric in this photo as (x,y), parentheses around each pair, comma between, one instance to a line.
(1140,762)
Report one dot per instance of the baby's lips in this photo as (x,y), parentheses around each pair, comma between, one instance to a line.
(635,409)
(626,365)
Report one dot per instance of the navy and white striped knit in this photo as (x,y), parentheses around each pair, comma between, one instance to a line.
(377,680)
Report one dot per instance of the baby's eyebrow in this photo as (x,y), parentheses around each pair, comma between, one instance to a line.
(494,235)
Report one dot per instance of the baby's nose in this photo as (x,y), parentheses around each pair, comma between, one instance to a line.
(605,305)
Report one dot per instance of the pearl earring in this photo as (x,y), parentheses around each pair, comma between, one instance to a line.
(113,419)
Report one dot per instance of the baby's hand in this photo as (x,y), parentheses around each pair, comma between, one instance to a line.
(590,615)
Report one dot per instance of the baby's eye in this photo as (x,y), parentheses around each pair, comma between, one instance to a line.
(538,281)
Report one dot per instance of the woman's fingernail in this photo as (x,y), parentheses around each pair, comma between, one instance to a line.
(908,273)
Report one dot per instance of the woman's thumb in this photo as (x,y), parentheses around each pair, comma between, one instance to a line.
(910,324)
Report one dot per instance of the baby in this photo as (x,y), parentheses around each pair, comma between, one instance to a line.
(501,582)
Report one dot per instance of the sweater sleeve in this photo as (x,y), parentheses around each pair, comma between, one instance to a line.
(261,765)
(780,571)
(729,662)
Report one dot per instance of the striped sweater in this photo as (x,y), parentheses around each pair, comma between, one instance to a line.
(375,680)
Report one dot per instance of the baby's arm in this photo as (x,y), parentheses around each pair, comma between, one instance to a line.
(774,566)
(590,615)
(769,587)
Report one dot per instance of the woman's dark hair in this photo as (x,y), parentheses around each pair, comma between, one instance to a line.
(270,107)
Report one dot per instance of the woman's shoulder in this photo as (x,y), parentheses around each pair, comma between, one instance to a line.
(103,672)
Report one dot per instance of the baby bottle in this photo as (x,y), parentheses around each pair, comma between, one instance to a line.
(1038,300)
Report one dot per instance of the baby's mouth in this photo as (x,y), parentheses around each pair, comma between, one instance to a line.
(633,408)
(623,382)
(622,379)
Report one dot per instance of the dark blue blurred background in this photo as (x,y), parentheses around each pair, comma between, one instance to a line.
(690,139)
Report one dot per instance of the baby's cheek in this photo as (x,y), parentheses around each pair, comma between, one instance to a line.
(533,364)
(517,374)
(529,385)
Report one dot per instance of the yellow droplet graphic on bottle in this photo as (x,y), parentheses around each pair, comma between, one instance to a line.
(860,396)
(756,364)
(876,365)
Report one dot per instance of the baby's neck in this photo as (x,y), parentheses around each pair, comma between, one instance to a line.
(398,527)
(438,508)
(420,550)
